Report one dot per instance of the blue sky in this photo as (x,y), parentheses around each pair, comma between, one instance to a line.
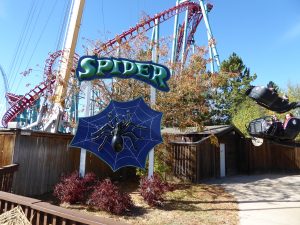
(265,33)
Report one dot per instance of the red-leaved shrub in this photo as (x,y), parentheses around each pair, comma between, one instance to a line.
(153,189)
(89,181)
(106,196)
(72,188)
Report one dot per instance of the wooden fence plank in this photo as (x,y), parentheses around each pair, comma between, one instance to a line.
(45,219)
(7,141)
(38,217)
(54,220)
(2,148)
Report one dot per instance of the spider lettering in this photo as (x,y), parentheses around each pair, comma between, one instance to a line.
(117,129)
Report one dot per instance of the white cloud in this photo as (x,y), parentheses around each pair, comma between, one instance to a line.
(293,32)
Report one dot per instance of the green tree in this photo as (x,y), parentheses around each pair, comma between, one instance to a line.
(273,86)
(294,96)
(248,111)
(235,80)
(184,105)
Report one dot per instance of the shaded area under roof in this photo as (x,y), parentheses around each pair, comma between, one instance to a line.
(208,130)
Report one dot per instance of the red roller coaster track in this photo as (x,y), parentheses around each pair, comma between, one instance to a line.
(111,45)
(33,95)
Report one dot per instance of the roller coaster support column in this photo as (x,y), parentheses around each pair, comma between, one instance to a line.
(5,85)
(211,41)
(65,69)
(186,19)
(212,65)
(39,116)
(175,36)
(155,58)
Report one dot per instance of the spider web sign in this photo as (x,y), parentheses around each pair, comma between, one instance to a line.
(122,134)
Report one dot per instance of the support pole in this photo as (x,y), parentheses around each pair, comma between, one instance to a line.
(211,42)
(175,37)
(211,57)
(184,35)
(155,58)
(5,86)
(87,113)
(65,67)
(152,40)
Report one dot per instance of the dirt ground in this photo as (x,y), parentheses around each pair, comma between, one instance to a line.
(189,204)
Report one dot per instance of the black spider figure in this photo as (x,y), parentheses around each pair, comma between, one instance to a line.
(116,129)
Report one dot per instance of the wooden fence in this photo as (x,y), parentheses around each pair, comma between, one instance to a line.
(6,177)
(44,157)
(184,161)
(195,161)
(43,213)
(270,157)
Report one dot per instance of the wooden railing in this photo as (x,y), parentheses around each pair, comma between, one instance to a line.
(43,213)
(6,176)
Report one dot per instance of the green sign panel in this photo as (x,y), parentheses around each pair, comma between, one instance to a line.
(92,67)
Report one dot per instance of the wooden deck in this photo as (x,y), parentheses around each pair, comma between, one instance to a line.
(43,213)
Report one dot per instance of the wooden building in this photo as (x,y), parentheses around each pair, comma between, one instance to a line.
(214,152)
(196,156)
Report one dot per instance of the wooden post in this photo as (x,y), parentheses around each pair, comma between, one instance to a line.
(222,160)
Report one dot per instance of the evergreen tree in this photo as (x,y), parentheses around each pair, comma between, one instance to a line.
(273,86)
(227,98)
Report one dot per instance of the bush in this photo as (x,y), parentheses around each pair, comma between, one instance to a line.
(160,167)
(89,181)
(107,197)
(72,188)
(153,189)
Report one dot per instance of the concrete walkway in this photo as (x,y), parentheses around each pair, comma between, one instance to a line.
(265,199)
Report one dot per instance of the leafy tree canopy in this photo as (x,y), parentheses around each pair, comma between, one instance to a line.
(230,94)
(184,105)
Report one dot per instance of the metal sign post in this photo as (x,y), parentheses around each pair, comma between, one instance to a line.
(155,58)
(87,113)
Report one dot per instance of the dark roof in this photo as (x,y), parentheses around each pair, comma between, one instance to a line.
(208,130)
